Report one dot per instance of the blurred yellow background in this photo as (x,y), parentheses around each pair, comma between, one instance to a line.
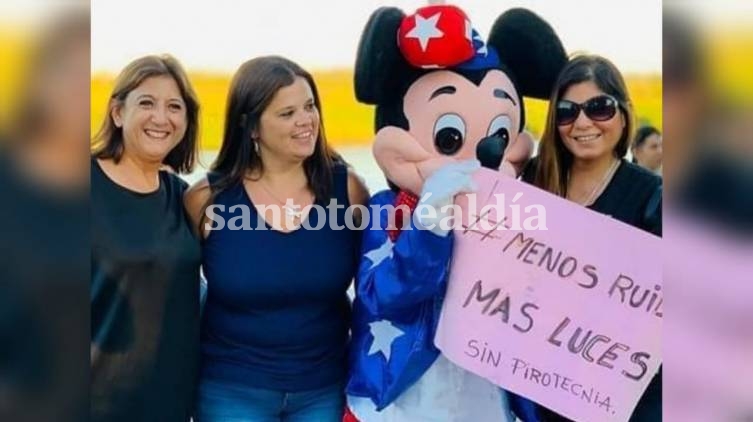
(348,122)
(14,52)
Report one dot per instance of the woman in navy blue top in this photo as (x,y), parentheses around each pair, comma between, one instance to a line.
(278,262)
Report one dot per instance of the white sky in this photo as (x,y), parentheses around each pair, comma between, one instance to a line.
(219,35)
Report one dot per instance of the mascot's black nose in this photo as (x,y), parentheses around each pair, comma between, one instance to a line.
(492,148)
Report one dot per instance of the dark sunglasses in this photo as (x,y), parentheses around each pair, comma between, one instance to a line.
(598,109)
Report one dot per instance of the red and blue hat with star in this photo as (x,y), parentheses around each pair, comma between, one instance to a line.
(441,36)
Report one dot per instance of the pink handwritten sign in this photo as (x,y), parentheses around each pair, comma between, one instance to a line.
(569,317)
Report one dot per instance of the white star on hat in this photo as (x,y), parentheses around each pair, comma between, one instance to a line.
(425,30)
(384,333)
(482,49)
(376,256)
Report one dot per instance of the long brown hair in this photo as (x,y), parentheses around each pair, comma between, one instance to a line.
(252,89)
(108,142)
(554,159)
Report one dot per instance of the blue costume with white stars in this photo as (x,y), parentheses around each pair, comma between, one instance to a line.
(399,292)
(396,372)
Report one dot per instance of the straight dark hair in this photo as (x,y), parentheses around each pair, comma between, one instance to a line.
(108,142)
(251,91)
(555,159)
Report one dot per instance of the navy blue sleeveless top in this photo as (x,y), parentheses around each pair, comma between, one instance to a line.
(277,314)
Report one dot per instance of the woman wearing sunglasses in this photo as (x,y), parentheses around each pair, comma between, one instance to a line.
(581,158)
(587,134)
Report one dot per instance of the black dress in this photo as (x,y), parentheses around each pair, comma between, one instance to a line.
(633,196)
(144,302)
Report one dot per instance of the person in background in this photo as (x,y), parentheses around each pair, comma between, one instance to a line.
(145,257)
(581,158)
(647,148)
(276,318)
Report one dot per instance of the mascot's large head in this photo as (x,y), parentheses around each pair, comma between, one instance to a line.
(444,94)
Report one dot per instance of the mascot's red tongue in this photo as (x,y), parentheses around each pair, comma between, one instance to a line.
(436,37)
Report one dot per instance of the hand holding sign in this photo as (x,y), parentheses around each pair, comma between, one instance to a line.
(553,301)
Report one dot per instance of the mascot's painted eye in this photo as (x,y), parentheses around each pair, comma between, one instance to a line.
(500,126)
(449,133)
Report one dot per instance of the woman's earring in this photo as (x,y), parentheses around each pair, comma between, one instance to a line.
(256,145)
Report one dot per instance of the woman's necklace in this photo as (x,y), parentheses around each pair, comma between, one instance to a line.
(599,188)
(292,211)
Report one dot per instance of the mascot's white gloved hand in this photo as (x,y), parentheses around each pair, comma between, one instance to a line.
(434,210)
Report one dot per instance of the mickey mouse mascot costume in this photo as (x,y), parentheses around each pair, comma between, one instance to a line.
(446,103)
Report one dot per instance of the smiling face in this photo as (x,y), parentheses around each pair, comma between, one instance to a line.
(588,139)
(153,118)
(289,126)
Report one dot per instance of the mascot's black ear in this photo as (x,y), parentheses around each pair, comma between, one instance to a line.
(379,63)
(529,47)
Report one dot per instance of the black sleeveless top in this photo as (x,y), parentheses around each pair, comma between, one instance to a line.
(144,297)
